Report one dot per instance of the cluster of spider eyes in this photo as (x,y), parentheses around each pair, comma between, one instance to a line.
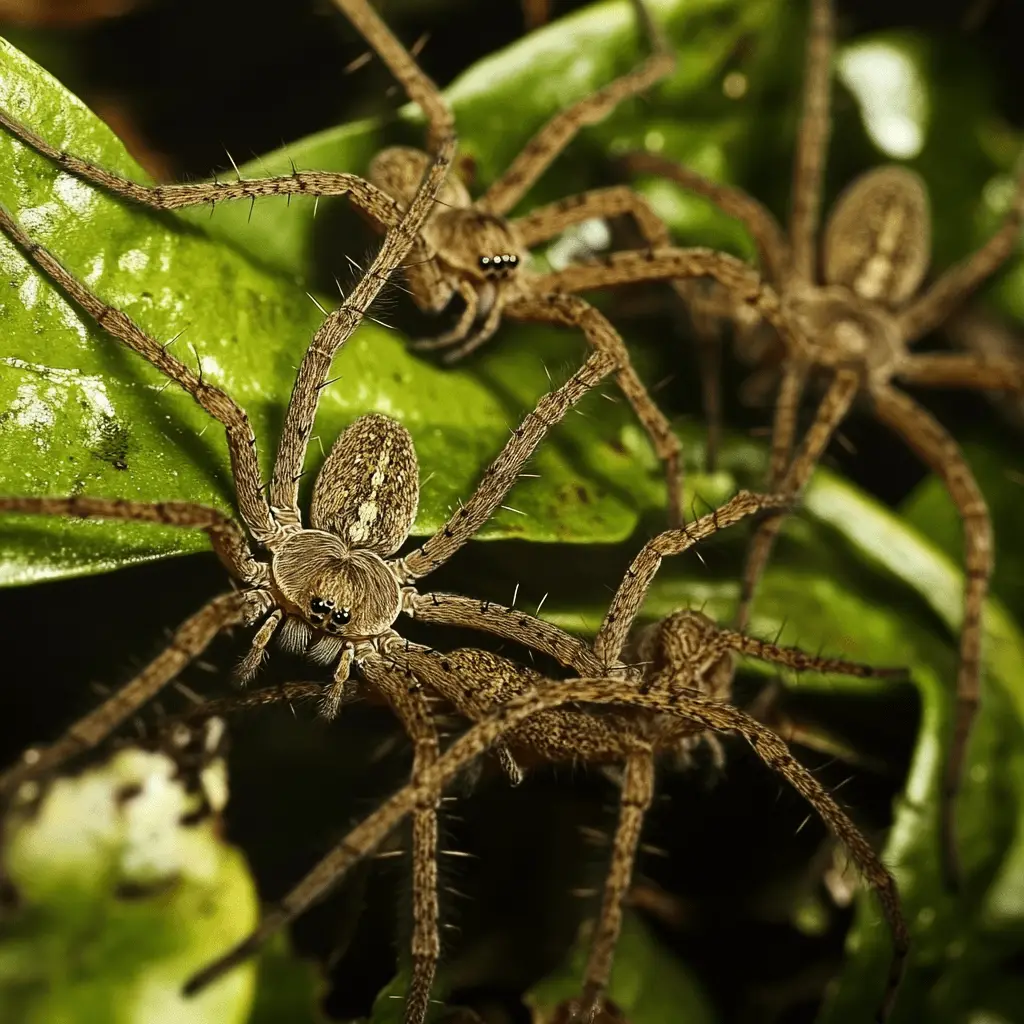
(319,607)
(503,261)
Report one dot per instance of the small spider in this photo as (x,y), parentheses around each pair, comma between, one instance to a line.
(677,666)
(855,325)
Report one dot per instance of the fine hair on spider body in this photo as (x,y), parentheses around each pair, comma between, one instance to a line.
(676,661)
(855,310)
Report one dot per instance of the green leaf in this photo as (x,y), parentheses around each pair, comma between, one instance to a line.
(648,984)
(83,416)
(120,899)
(287,988)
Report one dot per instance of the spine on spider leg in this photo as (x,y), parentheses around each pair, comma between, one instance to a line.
(503,472)
(418,86)
(339,327)
(831,411)
(241,440)
(629,597)
(538,154)
(772,247)
(801,661)
(190,639)
(508,623)
(637,794)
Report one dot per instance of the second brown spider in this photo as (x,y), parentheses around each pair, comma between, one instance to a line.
(856,316)
(473,249)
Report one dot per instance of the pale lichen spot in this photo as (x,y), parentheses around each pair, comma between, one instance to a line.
(76,195)
(133,261)
(95,270)
(36,220)
(28,293)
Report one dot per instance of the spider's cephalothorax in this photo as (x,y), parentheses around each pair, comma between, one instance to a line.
(679,654)
(466,249)
(334,581)
(855,319)
(874,256)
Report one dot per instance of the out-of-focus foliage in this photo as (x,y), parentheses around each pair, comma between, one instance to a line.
(119,895)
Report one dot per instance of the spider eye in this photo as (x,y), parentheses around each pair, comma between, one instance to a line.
(320,605)
(340,617)
(485,262)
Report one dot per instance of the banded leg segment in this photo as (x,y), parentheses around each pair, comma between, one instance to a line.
(376,204)
(538,154)
(337,329)
(503,472)
(505,622)
(407,700)
(812,141)
(955,285)
(417,85)
(831,412)
(772,247)
(189,640)
(963,370)
(708,714)
(572,311)
(629,598)
(940,452)
(634,802)
(741,282)
(226,538)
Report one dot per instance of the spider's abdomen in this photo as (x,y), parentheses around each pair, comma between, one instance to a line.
(368,489)
(398,170)
(338,591)
(878,237)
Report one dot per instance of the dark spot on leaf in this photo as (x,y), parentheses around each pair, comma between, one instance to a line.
(582,494)
(127,792)
(138,891)
(113,443)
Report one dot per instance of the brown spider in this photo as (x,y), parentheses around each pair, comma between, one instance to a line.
(334,589)
(855,325)
(471,248)
(678,661)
